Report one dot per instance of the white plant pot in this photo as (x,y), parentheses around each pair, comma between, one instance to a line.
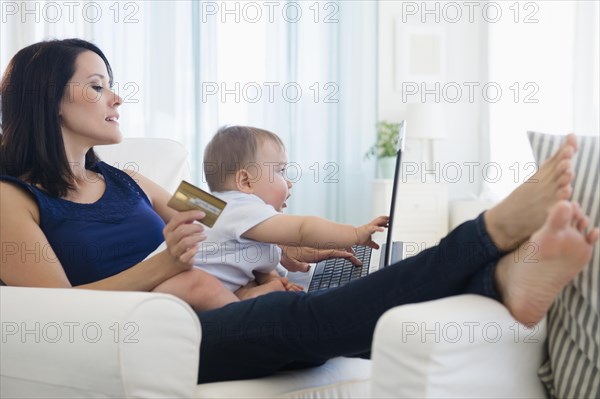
(385,167)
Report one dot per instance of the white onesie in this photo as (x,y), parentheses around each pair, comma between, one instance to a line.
(225,253)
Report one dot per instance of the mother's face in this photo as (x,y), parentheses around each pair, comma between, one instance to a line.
(88,109)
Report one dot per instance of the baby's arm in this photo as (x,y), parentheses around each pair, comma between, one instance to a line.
(315,232)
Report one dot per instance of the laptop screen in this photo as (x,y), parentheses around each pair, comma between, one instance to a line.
(387,260)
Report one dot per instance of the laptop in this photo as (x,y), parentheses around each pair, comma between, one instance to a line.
(333,273)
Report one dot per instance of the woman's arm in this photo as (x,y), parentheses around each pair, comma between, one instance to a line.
(312,231)
(29,260)
(144,276)
(27,257)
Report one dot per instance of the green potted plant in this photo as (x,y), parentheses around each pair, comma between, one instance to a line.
(384,150)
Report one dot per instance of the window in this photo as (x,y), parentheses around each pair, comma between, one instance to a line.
(546,76)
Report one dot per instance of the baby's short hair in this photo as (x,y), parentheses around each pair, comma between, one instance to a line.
(231,149)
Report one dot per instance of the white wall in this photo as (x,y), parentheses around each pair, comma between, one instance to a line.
(465,62)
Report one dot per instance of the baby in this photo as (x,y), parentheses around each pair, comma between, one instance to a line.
(245,167)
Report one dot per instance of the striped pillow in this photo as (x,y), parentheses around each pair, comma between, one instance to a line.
(572,369)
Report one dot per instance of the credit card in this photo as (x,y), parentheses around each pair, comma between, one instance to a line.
(189,197)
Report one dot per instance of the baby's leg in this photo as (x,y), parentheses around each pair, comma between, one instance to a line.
(252,290)
(200,289)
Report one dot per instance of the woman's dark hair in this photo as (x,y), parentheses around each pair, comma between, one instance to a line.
(31,144)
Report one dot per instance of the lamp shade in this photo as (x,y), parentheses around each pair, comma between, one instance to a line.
(425,121)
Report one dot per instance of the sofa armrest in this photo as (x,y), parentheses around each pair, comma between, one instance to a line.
(462,346)
(84,343)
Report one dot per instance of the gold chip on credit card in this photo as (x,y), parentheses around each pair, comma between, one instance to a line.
(189,197)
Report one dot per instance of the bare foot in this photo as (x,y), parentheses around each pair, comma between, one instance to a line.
(252,290)
(520,214)
(530,277)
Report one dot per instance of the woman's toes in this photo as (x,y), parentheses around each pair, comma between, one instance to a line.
(577,214)
(580,220)
(565,178)
(565,163)
(583,224)
(592,236)
(560,215)
(568,151)
(563,193)
(571,140)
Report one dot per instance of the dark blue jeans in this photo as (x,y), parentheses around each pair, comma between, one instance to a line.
(285,330)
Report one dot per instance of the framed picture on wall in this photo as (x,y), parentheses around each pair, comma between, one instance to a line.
(420,55)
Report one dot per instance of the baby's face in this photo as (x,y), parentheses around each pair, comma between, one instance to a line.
(270,183)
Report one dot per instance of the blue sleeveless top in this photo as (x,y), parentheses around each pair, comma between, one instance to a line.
(96,241)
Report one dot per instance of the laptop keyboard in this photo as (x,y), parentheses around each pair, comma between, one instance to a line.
(338,272)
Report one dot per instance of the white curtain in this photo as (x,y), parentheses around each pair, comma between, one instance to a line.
(313,62)
(586,74)
(311,78)
(550,65)
(147,43)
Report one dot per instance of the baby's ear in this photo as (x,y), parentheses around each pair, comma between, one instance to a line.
(243,181)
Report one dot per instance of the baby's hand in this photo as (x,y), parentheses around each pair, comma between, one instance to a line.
(364,232)
(293,287)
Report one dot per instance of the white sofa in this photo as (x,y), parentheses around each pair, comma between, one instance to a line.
(82,343)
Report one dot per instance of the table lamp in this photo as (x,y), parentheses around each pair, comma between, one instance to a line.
(426,122)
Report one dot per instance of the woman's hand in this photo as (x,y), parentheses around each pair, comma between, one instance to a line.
(289,286)
(182,237)
(297,259)
(364,232)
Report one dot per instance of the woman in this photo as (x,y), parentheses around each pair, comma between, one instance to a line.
(94,226)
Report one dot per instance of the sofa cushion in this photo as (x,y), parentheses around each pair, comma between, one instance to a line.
(572,369)
(149,156)
(338,378)
(465,346)
(76,343)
